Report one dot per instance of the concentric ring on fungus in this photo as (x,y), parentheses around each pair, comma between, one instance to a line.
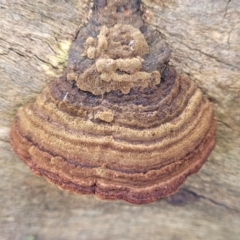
(121,123)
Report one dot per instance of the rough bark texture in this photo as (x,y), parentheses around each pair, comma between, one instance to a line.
(204,37)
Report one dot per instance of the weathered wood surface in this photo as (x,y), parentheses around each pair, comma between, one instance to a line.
(204,37)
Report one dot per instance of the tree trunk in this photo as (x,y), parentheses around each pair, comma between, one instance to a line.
(204,36)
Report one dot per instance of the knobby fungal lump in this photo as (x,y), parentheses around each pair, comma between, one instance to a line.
(120,123)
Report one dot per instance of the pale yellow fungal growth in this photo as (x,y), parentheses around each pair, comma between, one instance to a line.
(118,53)
(129,65)
(106,116)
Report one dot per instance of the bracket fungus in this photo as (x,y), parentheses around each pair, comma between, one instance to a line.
(120,123)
